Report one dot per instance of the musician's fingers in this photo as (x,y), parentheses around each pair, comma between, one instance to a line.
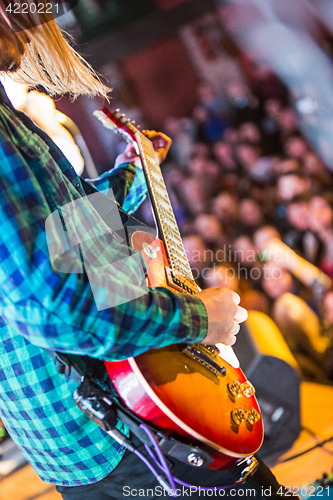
(236,328)
(161,142)
(241,314)
(236,298)
(130,149)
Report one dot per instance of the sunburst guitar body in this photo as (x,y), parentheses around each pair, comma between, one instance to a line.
(193,391)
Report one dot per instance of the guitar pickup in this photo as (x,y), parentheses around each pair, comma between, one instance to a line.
(205,360)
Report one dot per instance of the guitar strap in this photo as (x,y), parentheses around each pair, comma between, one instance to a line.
(96,387)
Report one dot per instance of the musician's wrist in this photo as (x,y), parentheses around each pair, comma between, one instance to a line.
(197,318)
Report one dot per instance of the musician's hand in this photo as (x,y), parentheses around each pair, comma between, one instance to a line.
(224,315)
(161,143)
(128,156)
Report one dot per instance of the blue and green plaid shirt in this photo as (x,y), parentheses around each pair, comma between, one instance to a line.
(40,308)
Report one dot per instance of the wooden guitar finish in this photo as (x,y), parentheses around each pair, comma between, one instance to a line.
(194,390)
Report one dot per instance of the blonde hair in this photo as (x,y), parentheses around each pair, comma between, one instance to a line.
(34,51)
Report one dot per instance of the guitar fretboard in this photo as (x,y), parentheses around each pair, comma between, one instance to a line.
(181,274)
(163,209)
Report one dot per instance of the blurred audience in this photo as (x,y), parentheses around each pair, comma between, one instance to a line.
(254,205)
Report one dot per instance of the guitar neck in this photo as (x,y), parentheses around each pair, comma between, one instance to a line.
(163,209)
(169,232)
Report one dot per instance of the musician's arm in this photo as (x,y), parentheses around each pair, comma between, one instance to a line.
(58,310)
(127,179)
(127,183)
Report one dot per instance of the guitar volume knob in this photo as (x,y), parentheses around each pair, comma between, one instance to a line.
(252,416)
(234,388)
(247,389)
(238,415)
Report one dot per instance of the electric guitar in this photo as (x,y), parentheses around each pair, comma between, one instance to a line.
(197,391)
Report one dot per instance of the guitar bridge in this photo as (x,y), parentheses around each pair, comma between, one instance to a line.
(198,354)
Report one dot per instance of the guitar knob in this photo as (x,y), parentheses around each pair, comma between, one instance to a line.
(238,415)
(235,388)
(252,416)
(247,389)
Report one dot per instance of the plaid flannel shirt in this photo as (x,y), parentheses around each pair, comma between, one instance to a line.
(41,308)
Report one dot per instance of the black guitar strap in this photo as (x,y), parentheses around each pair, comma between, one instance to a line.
(96,388)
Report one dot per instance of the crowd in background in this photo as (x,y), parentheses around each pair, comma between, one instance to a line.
(239,173)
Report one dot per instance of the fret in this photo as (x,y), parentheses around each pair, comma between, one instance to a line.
(165,208)
(169,227)
(181,261)
(157,175)
(175,236)
(161,197)
(158,181)
(169,222)
(167,219)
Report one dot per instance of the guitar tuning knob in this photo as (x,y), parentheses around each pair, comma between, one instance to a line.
(133,121)
(123,115)
(117,110)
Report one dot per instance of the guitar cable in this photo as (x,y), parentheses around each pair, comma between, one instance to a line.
(99,407)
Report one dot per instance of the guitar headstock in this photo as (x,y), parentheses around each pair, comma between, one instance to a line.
(118,123)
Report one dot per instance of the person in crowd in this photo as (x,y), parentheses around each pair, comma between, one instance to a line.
(251,216)
(276,280)
(210,127)
(210,229)
(321,223)
(296,147)
(207,172)
(299,236)
(224,155)
(291,184)
(225,208)
(250,132)
(256,166)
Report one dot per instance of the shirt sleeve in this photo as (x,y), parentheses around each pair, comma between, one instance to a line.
(128,185)
(116,318)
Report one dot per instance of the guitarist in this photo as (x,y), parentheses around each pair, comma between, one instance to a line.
(41,308)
